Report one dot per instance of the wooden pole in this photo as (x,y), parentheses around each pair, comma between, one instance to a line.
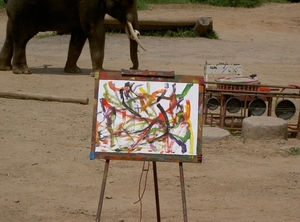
(184,208)
(42,97)
(156,192)
(104,179)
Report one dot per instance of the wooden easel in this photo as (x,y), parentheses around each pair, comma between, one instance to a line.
(184,207)
(159,76)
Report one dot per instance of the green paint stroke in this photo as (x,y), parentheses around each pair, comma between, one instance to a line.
(185,90)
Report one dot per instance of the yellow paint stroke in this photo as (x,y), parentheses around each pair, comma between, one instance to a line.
(187,115)
(151,98)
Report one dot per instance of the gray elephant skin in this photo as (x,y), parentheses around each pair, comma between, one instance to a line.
(83,19)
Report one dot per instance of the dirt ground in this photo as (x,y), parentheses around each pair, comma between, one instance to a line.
(45,171)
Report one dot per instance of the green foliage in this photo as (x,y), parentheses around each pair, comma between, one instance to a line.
(114,31)
(142,4)
(179,32)
(234,132)
(211,35)
(238,3)
(2,4)
(294,151)
(234,3)
(167,1)
(45,35)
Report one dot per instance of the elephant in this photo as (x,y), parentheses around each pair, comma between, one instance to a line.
(83,19)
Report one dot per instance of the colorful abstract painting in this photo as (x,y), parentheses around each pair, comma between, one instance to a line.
(147,117)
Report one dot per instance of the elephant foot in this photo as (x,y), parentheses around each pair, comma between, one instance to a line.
(72,69)
(95,73)
(5,68)
(21,70)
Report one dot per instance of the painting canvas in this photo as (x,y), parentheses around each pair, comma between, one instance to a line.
(142,119)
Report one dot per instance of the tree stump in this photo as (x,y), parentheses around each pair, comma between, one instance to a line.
(203,25)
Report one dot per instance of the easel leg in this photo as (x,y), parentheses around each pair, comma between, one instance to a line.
(156,191)
(183,192)
(102,190)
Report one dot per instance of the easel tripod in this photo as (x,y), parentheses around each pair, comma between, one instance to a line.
(184,207)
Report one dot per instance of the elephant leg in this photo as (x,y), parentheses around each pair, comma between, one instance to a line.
(20,40)
(77,42)
(96,43)
(6,52)
(19,63)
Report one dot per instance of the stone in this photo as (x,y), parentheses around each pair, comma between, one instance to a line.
(214,134)
(264,128)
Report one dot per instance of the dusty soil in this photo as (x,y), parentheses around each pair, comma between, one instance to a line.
(45,171)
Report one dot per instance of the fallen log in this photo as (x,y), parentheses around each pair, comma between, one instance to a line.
(42,97)
(145,25)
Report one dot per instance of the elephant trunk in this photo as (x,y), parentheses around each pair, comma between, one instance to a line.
(133,54)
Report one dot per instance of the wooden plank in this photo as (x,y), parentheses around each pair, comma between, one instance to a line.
(147,73)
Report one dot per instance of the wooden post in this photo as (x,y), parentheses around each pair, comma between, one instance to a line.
(298,133)
(203,25)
